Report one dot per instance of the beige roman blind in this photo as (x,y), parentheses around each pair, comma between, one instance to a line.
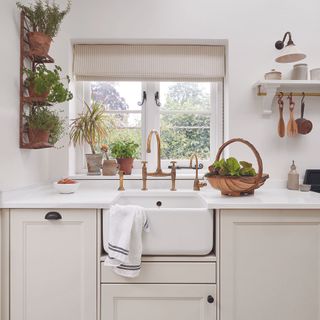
(114,62)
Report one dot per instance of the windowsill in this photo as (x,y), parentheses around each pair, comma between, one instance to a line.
(137,176)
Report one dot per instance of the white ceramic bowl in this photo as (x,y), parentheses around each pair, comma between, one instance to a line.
(66,188)
(305,187)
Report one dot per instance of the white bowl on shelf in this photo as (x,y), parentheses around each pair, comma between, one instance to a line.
(67,187)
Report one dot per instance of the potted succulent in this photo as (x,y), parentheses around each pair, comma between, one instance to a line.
(45,20)
(47,84)
(44,126)
(91,127)
(125,151)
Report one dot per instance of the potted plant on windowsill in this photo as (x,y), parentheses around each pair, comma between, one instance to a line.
(44,126)
(47,84)
(125,151)
(45,20)
(91,127)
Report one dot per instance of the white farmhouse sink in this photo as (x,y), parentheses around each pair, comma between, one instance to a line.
(179,222)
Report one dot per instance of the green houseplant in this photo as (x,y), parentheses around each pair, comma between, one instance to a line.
(45,83)
(91,127)
(44,126)
(45,19)
(125,151)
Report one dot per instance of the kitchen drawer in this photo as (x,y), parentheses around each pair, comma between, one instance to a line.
(158,302)
(166,272)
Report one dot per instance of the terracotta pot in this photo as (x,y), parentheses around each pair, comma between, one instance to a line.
(94,164)
(39,43)
(33,94)
(38,136)
(126,165)
(110,167)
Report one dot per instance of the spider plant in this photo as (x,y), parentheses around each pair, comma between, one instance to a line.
(91,126)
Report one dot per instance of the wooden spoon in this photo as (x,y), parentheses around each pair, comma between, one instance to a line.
(292,128)
(281,125)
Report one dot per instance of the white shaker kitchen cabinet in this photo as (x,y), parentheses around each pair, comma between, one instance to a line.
(53,264)
(158,302)
(270,265)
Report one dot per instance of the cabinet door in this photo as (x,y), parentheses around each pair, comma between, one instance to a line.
(157,302)
(53,265)
(270,265)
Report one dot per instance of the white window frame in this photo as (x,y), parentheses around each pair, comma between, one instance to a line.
(150,119)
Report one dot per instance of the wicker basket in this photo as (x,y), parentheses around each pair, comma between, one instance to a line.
(238,186)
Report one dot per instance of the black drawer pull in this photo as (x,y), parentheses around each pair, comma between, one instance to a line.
(53,215)
(210,299)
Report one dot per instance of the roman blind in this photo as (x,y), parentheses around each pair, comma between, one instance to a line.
(116,62)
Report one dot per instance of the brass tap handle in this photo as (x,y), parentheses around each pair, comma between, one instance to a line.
(144,175)
(197,185)
(173,176)
(202,184)
(121,187)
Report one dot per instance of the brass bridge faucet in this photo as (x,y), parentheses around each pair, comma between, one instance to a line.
(196,183)
(158,172)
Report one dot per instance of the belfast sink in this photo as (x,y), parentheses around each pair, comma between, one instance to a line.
(179,223)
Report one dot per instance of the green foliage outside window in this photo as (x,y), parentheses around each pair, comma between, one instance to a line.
(179,142)
(181,134)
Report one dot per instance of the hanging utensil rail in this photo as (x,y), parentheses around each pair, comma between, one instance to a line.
(293,94)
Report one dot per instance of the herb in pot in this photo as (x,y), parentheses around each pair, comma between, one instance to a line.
(44,16)
(47,83)
(125,151)
(42,120)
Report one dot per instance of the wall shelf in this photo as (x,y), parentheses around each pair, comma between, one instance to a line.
(30,61)
(268,89)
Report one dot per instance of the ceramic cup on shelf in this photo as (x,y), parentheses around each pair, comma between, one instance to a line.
(315,74)
(272,75)
(300,72)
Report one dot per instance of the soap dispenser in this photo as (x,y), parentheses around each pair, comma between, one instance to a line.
(293,178)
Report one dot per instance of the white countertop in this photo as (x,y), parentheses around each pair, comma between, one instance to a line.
(97,195)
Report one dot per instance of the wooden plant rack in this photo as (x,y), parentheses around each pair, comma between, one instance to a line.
(30,61)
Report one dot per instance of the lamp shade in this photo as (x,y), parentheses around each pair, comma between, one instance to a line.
(290,54)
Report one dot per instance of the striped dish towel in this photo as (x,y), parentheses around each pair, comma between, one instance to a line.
(126,224)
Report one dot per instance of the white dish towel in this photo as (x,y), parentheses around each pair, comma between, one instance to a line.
(126,224)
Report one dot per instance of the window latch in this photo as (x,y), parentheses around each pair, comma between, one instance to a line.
(144,99)
(157,99)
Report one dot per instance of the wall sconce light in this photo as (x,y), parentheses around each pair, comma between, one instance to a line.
(290,52)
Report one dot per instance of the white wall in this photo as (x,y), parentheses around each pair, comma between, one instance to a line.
(18,167)
(251,28)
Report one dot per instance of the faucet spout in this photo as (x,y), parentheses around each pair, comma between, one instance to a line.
(156,133)
(158,172)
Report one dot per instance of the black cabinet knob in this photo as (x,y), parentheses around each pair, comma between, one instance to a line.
(210,299)
(53,215)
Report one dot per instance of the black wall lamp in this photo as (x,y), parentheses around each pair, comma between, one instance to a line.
(290,52)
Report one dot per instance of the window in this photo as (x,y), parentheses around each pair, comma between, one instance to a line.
(187,77)
(189,118)
(120,101)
